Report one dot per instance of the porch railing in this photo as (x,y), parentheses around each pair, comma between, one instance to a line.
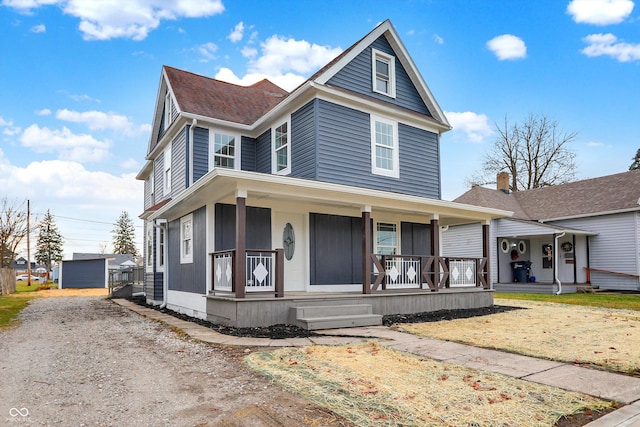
(264,272)
(427,272)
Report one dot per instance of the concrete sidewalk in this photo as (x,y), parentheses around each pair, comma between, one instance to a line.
(620,388)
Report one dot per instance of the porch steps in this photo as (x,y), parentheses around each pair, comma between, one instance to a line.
(334,316)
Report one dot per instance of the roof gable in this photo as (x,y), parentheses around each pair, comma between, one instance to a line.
(387,31)
(606,194)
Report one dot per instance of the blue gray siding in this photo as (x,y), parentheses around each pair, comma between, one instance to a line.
(190,277)
(248,154)
(148,193)
(335,249)
(357,76)
(85,273)
(200,152)
(344,154)
(179,163)
(158,177)
(263,153)
(303,142)
(258,234)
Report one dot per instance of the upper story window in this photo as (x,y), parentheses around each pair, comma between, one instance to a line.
(383,73)
(386,238)
(168,110)
(223,151)
(281,148)
(384,147)
(186,239)
(167,170)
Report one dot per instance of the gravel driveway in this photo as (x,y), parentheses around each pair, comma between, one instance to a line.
(81,361)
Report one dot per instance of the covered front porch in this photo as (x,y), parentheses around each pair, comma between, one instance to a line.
(275,243)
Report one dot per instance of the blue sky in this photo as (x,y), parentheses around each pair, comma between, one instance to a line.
(78,82)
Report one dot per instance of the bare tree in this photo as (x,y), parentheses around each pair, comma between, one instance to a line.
(536,153)
(13,228)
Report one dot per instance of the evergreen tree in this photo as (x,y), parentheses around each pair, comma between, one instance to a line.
(49,245)
(124,236)
(636,161)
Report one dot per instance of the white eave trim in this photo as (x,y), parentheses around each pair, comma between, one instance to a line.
(145,171)
(590,215)
(320,191)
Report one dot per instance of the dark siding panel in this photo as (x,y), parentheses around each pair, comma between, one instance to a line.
(200,152)
(188,277)
(248,153)
(336,249)
(357,76)
(179,162)
(344,154)
(83,273)
(415,239)
(258,227)
(303,142)
(263,153)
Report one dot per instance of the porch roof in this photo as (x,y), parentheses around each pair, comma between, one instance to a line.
(224,185)
(524,228)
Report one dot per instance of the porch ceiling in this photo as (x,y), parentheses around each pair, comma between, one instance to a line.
(223,185)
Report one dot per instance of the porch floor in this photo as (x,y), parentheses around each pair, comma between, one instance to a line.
(265,309)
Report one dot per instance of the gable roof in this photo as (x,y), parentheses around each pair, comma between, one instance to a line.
(595,196)
(114,259)
(220,100)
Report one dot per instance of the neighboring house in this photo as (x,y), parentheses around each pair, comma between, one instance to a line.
(254,191)
(583,232)
(116,261)
(92,270)
(20,265)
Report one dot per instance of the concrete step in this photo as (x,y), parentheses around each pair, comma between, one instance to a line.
(334,316)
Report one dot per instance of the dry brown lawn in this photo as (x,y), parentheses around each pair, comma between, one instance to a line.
(606,338)
(52,293)
(372,385)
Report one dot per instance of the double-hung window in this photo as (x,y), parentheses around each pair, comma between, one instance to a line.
(160,250)
(383,73)
(384,147)
(281,148)
(223,150)
(167,171)
(149,248)
(186,239)
(386,238)
(168,110)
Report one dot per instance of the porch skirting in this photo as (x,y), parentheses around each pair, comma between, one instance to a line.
(266,311)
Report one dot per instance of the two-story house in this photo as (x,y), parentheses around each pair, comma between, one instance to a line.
(256,198)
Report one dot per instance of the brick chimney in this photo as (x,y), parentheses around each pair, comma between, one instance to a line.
(502,182)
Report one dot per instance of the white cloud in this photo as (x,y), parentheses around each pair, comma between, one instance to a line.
(595,144)
(103,20)
(508,47)
(609,45)
(69,146)
(98,120)
(208,51)
(4,122)
(249,52)
(600,12)
(130,163)
(475,126)
(44,112)
(285,62)
(438,39)
(238,32)
(39,28)
(9,128)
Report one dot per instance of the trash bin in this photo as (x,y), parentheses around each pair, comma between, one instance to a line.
(521,271)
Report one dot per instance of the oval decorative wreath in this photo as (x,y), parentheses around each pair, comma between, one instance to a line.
(567,246)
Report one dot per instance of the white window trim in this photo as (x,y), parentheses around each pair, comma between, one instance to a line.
(375,237)
(149,256)
(159,260)
(391,60)
(236,158)
(186,258)
(167,168)
(152,188)
(395,172)
(287,170)
(168,109)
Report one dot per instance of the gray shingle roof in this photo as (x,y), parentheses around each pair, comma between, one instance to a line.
(609,193)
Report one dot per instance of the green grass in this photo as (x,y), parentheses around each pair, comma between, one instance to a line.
(10,306)
(619,301)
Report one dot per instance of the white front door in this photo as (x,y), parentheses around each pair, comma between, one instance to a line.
(295,269)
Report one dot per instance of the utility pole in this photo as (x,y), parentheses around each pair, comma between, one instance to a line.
(28,243)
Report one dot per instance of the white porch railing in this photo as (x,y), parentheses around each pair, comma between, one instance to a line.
(403,273)
(262,271)
(223,271)
(462,272)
